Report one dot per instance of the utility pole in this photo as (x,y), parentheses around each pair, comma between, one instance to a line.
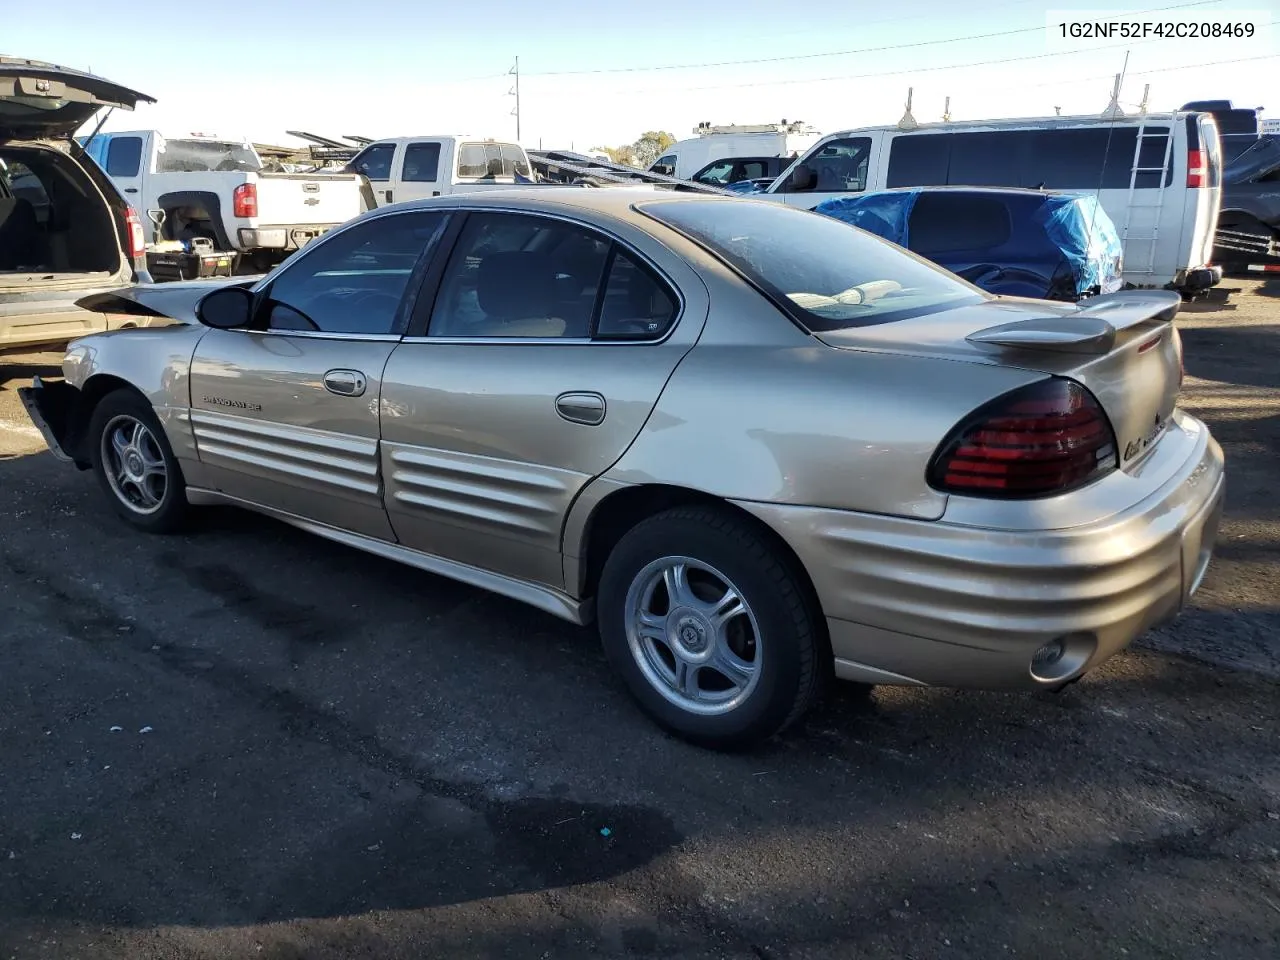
(515,92)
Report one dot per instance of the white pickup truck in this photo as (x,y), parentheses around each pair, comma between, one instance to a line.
(409,168)
(218,188)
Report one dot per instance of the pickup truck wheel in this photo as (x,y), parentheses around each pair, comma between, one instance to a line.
(135,464)
(710,627)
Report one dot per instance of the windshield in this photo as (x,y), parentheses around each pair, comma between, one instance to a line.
(824,273)
(202,156)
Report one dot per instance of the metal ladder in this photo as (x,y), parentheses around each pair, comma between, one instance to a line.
(1136,170)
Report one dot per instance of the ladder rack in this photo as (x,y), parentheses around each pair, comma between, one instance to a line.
(1137,170)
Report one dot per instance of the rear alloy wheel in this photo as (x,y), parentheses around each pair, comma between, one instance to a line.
(135,464)
(709,627)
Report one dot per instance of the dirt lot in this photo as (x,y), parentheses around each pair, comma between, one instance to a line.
(248,742)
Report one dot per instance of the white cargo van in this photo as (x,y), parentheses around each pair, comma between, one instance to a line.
(409,168)
(1158,176)
(711,143)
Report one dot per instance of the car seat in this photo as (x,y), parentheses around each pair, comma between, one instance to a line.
(516,290)
(20,236)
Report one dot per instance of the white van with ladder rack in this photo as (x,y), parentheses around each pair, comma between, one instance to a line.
(1157,175)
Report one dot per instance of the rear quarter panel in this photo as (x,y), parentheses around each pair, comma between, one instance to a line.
(760,410)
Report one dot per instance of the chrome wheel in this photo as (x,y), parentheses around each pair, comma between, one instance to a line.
(134,465)
(693,635)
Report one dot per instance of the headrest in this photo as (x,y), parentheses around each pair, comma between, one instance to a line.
(516,285)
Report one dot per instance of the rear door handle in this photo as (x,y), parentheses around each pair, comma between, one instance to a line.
(345,383)
(130,189)
(581,407)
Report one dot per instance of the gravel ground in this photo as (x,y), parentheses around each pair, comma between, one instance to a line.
(249,742)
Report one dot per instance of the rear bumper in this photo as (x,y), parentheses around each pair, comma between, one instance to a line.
(52,406)
(278,236)
(1201,278)
(969,605)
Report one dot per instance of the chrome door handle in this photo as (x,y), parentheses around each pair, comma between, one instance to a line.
(581,407)
(345,383)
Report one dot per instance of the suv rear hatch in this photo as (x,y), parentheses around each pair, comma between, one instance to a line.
(1122,347)
(44,101)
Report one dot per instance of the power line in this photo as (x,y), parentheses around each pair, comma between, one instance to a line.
(909,70)
(840,53)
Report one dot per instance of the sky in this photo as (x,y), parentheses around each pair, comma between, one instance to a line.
(605,73)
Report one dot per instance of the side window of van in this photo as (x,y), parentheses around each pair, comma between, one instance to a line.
(1080,158)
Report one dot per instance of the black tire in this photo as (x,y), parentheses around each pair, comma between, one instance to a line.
(172,510)
(793,658)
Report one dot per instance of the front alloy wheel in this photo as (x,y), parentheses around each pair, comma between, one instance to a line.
(134,464)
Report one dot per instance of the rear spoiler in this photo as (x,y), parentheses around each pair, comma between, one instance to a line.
(1092,329)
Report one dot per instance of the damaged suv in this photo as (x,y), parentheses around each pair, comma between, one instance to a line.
(65,231)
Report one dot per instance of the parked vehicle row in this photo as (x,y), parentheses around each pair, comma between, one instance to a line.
(519,391)
(1158,176)
(710,144)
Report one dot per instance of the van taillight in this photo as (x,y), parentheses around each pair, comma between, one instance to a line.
(244,200)
(135,239)
(1197,168)
(1046,438)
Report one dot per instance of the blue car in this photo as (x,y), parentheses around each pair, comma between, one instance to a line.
(1013,242)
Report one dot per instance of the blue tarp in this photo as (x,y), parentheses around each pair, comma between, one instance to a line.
(1048,233)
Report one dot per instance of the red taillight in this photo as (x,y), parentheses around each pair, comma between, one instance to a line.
(244,200)
(135,240)
(1197,168)
(1047,438)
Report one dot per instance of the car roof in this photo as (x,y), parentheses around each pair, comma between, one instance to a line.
(616,202)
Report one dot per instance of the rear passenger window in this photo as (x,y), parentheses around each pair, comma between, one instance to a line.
(520,276)
(636,305)
(918,161)
(124,156)
(949,223)
(421,162)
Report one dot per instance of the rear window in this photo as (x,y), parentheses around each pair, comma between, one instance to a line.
(204,156)
(943,223)
(1078,158)
(491,160)
(825,274)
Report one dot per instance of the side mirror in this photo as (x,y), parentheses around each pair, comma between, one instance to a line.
(663,169)
(227,308)
(802,178)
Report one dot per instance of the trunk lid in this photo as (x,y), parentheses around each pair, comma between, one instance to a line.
(309,197)
(1122,347)
(39,100)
